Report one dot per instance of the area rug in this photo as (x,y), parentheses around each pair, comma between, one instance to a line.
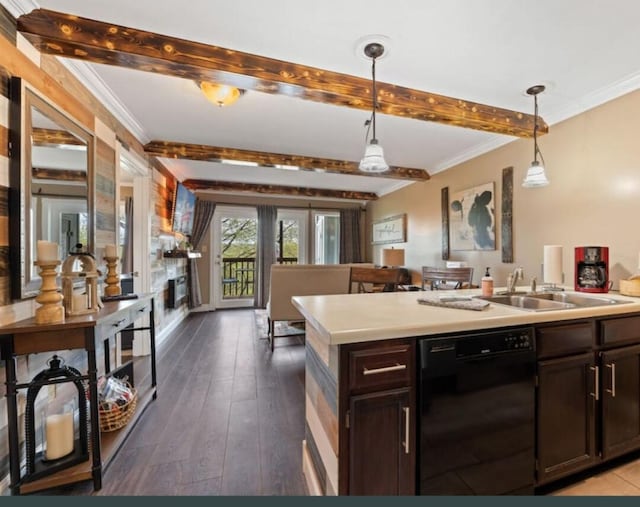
(282,328)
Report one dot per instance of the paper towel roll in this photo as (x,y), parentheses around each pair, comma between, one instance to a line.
(552,264)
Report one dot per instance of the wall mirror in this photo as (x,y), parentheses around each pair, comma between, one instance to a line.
(51,179)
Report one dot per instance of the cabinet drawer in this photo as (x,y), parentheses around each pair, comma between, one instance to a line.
(623,329)
(140,310)
(109,327)
(380,367)
(563,339)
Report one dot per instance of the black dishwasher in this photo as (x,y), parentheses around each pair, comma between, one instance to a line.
(476,425)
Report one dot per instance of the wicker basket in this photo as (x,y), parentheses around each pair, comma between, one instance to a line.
(630,287)
(119,416)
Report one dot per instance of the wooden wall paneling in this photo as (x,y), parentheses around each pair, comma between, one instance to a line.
(4,82)
(5,278)
(105,193)
(52,66)
(507,215)
(316,460)
(4,141)
(17,64)
(8,25)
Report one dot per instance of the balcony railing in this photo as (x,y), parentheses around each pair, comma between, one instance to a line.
(239,275)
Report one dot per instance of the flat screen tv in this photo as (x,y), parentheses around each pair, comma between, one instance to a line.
(183,207)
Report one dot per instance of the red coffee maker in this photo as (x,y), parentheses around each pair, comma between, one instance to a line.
(592,269)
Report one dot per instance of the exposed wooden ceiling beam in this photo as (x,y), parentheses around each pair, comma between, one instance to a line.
(171,149)
(95,41)
(228,186)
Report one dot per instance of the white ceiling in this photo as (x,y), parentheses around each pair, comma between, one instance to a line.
(584,51)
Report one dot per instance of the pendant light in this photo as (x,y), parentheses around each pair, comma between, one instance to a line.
(535,174)
(373,160)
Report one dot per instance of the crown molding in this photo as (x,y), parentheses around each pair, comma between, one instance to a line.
(596,98)
(19,7)
(605,94)
(473,152)
(96,85)
(397,185)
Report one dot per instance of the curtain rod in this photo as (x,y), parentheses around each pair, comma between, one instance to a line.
(283,207)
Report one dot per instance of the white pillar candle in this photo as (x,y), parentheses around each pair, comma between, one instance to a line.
(47,251)
(110,251)
(59,435)
(552,264)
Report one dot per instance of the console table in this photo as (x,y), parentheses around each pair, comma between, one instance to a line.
(88,332)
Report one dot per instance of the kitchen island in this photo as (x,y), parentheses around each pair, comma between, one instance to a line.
(361,417)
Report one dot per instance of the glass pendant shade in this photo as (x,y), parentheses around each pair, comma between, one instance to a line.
(535,176)
(221,95)
(373,160)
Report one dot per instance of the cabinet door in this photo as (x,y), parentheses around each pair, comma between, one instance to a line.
(566,398)
(382,443)
(620,401)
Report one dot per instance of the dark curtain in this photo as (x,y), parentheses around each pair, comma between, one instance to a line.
(127,246)
(266,255)
(350,248)
(202,215)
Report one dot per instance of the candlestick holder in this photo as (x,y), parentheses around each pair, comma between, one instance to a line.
(112,279)
(51,311)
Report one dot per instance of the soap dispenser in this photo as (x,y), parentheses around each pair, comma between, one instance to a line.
(487,284)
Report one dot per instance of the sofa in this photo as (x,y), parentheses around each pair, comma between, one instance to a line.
(288,280)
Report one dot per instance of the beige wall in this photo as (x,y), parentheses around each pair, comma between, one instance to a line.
(593,163)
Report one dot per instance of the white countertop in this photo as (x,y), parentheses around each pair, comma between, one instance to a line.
(350,318)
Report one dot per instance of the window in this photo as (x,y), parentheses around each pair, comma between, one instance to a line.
(291,236)
(326,249)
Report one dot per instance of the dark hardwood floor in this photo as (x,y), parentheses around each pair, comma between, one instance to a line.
(229,418)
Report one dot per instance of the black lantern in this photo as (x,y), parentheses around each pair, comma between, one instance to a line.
(59,448)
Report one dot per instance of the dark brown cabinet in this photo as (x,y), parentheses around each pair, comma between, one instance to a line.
(588,394)
(620,397)
(380,447)
(566,416)
(378,450)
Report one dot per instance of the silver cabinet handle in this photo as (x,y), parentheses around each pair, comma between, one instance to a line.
(407,421)
(596,382)
(375,371)
(613,380)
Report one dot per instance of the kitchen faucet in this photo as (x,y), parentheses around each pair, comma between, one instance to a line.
(512,279)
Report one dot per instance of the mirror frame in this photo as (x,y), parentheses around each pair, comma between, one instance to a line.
(22,97)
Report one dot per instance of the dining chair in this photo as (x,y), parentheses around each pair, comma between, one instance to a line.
(389,277)
(446,278)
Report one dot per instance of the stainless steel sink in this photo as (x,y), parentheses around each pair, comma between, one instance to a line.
(577,299)
(545,301)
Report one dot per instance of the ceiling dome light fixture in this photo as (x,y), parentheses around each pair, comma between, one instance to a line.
(535,174)
(373,160)
(219,94)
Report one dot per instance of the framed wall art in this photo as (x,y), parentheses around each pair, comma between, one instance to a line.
(472,218)
(390,230)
